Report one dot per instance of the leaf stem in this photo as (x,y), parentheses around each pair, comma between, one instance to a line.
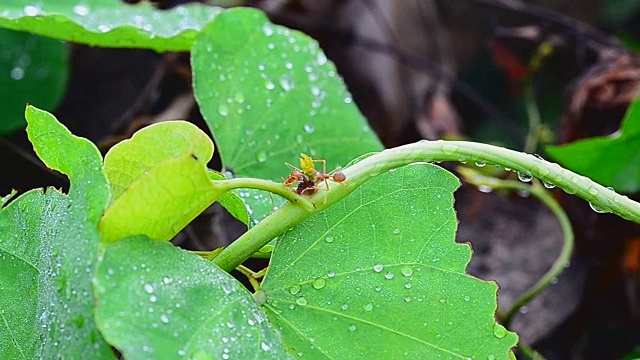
(266,185)
(423,151)
(545,197)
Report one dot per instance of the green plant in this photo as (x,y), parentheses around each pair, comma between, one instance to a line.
(365,268)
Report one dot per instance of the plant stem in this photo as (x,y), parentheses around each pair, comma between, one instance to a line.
(529,352)
(545,197)
(533,113)
(266,185)
(293,213)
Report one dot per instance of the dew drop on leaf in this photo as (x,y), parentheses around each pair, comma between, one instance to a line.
(294,289)
(318,283)
(352,327)
(407,270)
(499,331)
(329,239)
(261,156)
(148,288)
(368,307)
(308,128)
(301,301)
(286,81)
(378,267)
(223,109)
(388,275)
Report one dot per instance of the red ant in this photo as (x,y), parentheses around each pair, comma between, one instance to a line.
(309,177)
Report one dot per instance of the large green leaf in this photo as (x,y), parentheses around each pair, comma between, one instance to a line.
(159,180)
(610,160)
(269,93)
(166,303)
(379,275)
(48,252)
(33,70)
(109,23)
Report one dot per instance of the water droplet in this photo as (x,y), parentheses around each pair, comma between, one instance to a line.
(308,128)
(81,10)
(269,85)
(267,30)
(378,267)
(153,298)
(407,299)
(286,81)
(264,346)
(318,283)
(238,97)
(321,59)
(396,231)
(480,164)
(148,288)
(294,289)
(329,239)
(408,285)
(485,189)
(331,274)
(223,109)
(167,280)
(368,307)
(548,185)
(261,156)
(499,331)
(597,209)
(352,327)
(164,318)
(344,306)
(524,177)
(466,298)
(388,275)
(104,28)
(17,73)
(31,10)
(301,301)
(407,270)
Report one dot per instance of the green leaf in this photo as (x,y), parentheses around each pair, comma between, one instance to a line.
(609,160)
(269,93)
(231,201)
(109,23)
(33,70)
(166,303)
(48,252)
(159,180)
(379,275)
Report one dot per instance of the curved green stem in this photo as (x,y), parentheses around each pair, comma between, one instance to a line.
(294,213)
(545,197)
(266,185)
